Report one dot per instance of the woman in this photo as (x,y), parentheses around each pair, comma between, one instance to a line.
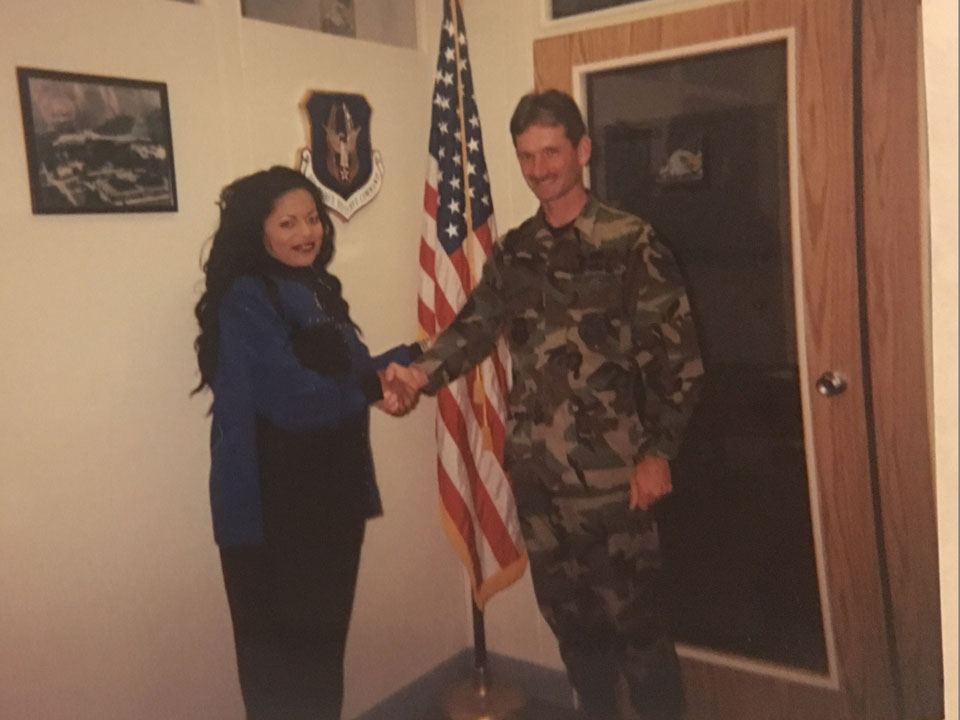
(291,479)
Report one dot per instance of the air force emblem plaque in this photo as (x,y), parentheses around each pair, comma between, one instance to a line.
(340,159)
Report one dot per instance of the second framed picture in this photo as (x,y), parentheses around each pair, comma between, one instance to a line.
(568,8)
(96,144)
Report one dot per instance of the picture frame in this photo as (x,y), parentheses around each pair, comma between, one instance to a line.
(560,9)
(337,17)
(96,144)
(388,22)
(559,17)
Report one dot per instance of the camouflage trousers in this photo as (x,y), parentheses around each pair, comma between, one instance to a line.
(595,566)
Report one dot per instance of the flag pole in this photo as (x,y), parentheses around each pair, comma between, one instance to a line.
(477,699)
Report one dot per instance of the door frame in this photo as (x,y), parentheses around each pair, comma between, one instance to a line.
(895,301)
(892,248)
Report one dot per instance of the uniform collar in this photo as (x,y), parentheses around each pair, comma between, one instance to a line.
(584,222)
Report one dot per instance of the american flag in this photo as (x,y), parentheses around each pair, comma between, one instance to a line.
(476,499)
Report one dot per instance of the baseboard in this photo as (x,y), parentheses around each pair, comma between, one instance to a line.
(425,694)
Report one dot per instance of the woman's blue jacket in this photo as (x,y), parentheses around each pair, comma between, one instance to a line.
(259,376)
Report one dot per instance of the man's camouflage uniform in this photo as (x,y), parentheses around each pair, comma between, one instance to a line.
(605,368)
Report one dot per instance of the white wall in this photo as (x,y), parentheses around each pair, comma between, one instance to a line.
(940,59)
(111,602)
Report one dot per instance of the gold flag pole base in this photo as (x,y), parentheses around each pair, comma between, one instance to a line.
(480,700)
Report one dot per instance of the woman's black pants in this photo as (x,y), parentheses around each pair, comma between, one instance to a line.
(290,601)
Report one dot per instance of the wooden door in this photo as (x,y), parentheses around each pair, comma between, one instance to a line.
(880,657)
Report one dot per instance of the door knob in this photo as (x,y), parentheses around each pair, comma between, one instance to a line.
(831,383)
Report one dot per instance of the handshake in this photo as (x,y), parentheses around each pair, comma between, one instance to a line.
(401,388)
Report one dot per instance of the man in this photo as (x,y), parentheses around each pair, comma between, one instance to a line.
(605,369)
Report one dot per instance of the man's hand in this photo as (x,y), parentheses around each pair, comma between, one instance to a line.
(650,482)
(401,389)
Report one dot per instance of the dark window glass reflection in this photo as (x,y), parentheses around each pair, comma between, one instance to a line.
(698,147)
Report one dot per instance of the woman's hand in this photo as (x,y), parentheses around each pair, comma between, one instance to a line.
(399,394)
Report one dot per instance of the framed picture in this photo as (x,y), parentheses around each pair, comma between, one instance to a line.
(567,8)
(331,16)
(96,144)
(563,16)
(392,22)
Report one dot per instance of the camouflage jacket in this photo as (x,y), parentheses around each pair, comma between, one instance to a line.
(605,358)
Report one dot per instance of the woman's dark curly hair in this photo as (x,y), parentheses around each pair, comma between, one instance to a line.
(237,249)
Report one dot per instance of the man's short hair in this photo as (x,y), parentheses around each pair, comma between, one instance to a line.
(550,107)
